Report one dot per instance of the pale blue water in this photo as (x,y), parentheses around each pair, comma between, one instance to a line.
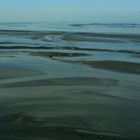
(128,28)
(39,34)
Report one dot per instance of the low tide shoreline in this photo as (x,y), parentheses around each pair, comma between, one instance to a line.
(69,85)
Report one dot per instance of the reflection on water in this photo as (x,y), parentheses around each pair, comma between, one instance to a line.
(69,81)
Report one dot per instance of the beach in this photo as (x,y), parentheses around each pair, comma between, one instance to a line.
(67,83)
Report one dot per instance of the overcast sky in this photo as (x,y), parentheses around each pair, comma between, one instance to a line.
(70,10)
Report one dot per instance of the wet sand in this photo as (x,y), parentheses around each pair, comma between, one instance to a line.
(67,85)
(63,112)
(67,81)
(118,66)
(15,72)
(57,54)
(69,107)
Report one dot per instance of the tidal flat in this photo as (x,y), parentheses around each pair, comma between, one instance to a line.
(68,83)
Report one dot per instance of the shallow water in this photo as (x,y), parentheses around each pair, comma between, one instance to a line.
(69,81)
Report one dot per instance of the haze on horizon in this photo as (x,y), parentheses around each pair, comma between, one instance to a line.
(70,10)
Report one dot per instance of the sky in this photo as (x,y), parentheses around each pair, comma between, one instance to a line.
(70,10)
